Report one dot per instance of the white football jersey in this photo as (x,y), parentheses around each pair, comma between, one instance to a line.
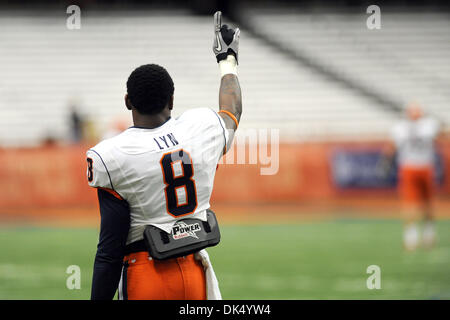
(165,173)
(414,141)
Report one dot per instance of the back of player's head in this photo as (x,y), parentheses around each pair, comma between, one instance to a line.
(149,88)
(414,111)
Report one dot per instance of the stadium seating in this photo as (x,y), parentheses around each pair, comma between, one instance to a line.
(45,66)
(406,60)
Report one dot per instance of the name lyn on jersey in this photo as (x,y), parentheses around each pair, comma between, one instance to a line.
(166,141)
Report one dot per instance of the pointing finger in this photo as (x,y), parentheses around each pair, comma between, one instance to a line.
(217,21)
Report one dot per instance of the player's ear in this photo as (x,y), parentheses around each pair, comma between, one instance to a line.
(170,103)
(127,102)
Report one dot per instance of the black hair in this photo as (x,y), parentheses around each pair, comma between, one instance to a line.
(149,88)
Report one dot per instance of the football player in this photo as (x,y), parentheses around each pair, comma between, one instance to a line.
(157,172)
(414,139)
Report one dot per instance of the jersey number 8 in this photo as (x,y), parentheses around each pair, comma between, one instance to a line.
(176,182)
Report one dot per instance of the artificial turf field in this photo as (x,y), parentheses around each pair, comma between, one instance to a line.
(309,260)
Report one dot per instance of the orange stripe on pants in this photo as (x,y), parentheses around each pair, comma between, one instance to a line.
(173,279)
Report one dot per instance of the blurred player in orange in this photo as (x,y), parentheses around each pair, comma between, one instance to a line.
(414,144)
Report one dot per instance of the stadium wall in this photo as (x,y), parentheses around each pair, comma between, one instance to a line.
(55,176)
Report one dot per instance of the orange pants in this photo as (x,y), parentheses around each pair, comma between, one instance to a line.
(416,185)
(144,278)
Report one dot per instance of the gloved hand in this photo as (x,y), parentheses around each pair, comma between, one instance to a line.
(226,39)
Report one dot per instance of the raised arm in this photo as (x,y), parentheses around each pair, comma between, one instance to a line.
(230,100)
(225,47)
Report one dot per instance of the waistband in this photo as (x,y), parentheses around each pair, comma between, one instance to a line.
(136,246)
(138,250)
(143,257)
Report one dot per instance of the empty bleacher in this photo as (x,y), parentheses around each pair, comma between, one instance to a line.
(408,59)
(44,66)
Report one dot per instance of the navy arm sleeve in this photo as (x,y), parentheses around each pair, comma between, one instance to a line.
(114,226)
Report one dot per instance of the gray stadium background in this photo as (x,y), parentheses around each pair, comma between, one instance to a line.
(314,71)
